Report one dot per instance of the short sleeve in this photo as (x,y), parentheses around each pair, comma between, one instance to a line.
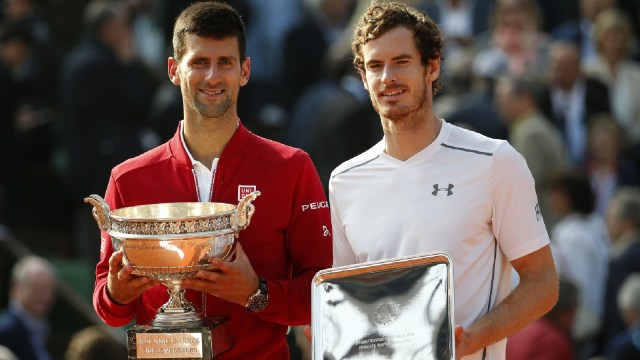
(516,219)
(342,252)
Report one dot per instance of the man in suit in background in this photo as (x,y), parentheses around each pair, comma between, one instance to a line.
(23,326)
(571,99)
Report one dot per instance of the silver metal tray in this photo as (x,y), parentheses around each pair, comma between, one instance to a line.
(397,309)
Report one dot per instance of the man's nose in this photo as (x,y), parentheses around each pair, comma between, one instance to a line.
(213,73)
(388,75)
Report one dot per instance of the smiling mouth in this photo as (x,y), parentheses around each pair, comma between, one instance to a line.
(211,92)
(394,92)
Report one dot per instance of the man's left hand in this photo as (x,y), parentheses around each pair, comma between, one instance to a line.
(231,281)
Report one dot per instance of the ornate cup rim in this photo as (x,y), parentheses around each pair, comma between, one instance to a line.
(173,218)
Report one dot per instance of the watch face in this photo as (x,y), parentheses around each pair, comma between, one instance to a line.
(258,302)
(260,299)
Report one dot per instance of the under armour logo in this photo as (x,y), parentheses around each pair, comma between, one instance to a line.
(437,188)
(538,212)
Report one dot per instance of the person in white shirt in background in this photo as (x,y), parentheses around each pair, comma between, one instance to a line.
(580,246)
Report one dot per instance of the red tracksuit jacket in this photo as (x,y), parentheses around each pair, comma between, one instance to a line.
(287,242)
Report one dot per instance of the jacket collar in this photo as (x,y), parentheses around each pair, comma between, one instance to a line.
(235,146)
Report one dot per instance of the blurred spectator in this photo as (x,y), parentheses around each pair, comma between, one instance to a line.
(323,24)
(147,35)
(6,354)
(632,8)
(467,100)
(269,23)
(105,96)
(28,107)
(166,111)
(613,66)
(555,13)
(33,78)
(548,338)
(459,84)
(580,30)
(461,21)
(92,343)
(571,99)
(334,119)
(30,68)
(29,13)
(626,346)
(580,248)
(262,99)
(608,166)
(623,223)
(23,327)
(530,132)
(517,44)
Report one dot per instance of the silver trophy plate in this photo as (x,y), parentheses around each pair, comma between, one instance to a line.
(398,309)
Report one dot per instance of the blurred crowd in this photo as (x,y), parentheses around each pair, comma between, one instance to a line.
(83,86)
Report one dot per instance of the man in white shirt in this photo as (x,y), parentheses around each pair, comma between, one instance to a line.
(431,186)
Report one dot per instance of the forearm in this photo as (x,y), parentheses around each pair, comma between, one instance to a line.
(110,312)
(532,298)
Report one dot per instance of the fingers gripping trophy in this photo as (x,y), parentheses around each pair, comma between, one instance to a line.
(170,242)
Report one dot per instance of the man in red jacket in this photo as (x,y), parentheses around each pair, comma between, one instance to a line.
(213,157)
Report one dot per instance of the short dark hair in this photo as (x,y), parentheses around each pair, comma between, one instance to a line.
(101,12)
(524,85)
(382,17)
(575,184)
(529,8)
(209,19)
(628,200)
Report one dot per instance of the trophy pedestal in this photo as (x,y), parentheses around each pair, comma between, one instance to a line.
(191,343)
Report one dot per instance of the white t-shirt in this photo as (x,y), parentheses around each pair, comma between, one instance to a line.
(464,194)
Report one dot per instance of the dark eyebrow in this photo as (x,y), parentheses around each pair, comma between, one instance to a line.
(230,58)
(198,58)
(396,58)
(402,57)
(219,58)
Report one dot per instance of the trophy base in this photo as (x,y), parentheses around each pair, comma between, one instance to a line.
(190,343)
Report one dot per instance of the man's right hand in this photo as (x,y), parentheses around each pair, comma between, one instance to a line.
(122,286)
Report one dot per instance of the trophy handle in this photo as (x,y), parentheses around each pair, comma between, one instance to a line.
(242,217)
(101,211)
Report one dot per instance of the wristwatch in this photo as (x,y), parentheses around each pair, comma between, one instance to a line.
(259,299)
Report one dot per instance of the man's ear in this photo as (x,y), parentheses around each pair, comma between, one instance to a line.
(363,76)
(245,71)
(172,68)
(433,70)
